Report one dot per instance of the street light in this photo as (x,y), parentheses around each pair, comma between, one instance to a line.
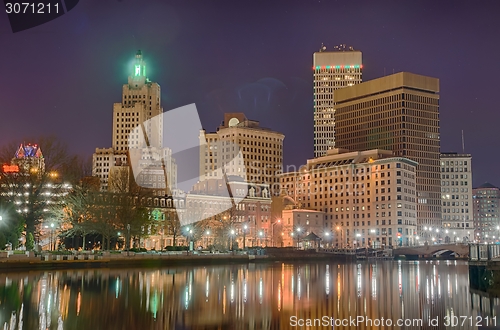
(245,227)
(358,235)
(52,238)
(341,237)
(373,231)
(232,239)
(207,234)
(298,237)
(261,234)
(128,239)
(191,239)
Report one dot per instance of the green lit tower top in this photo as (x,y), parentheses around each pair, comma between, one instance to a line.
(139,66)
(138,77)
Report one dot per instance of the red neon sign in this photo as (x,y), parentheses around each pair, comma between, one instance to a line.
(10,168)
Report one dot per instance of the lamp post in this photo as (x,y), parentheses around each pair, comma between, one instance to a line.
(272,231)
(206,237)
(428,233)
(298,237)
(128,239)
(358,235)
(327,235)
(52,238)
(373,231)
(341,237)
(245,227)
(261,234)
(191,239)
(232,239)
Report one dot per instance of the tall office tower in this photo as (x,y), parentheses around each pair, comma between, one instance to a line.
(140,106)
(399,112)
(261,150)
(486,213)
(456,195)
(332,70)
(140,103)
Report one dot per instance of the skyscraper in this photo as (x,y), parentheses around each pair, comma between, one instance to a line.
(140,104)
(335,69)
(399,112)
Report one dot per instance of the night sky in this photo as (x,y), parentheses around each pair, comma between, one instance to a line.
(248,56)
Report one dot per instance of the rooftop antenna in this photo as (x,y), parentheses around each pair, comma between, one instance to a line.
(463,142)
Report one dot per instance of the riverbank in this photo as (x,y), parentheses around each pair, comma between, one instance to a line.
(60,262)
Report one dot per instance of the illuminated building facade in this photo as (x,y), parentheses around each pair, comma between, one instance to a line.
(333,70)
(298,223)
(29,158)
(456,194)
(368,197)
(250,218)
(25,183)
(486,199)
(261,150)
(399,112)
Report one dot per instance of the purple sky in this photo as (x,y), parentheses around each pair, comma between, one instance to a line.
(251,56)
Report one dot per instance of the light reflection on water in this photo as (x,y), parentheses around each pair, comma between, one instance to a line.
(254,296)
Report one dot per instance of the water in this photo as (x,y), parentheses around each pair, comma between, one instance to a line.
(254,296)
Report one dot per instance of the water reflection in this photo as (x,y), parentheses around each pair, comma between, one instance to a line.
(251,296)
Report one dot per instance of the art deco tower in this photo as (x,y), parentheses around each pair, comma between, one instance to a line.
(140,106)
(140,102)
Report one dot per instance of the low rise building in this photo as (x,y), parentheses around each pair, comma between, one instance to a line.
(486,199)
(456,195)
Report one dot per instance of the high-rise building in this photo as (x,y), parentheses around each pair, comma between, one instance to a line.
(486,212)
(399,112)
(261,150)
(368,197)
(456,195)
(140,103)
(140,106)
(335,69)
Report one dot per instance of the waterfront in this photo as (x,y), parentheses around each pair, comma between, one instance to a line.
(249,296)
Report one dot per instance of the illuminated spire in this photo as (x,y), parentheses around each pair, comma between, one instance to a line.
(139,66)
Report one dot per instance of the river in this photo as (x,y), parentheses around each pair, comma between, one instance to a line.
(420,294)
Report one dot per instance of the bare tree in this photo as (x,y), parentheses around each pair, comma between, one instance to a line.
(31,184)
(132,203)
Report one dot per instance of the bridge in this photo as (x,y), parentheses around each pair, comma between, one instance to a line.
(433,250)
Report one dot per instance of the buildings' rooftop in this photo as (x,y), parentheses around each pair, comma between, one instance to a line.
(238,119)
(28,151)
(486,185)
(338,157)
(454,154)
(388,83)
